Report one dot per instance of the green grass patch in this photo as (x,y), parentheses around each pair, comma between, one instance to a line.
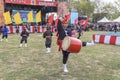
(99,62)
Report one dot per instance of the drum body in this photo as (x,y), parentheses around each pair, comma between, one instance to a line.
(71,44)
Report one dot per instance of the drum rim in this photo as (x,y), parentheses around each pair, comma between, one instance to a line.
(63,43)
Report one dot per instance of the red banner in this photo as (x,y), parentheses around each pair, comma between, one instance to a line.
(45,3)
(50,19)
(19,1)
(83,22)
(33,2)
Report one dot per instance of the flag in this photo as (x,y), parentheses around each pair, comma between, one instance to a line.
(86,22)
(50,19)
(17,18)
(75,21)
(7,18)
(30,16)
(83,22)
(38,17)
(66,18)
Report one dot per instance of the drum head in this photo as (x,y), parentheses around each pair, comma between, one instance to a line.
(66,43)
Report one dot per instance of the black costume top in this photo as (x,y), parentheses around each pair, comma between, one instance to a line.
(61,31)
(48,35)
(24,34)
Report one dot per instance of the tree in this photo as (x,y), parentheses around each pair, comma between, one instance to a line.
(84,7)
(117,4)
(98,6)
(109,10)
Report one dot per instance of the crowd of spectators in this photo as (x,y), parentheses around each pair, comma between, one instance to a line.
(105,27)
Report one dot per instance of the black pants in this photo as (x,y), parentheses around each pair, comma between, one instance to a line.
(4,36)
(66,53)
(79,35)
(23,39)
(48,45)
(115,30)
(84,44)
(65,56)
(48,42)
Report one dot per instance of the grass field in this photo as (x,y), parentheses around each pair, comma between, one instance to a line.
(99,62)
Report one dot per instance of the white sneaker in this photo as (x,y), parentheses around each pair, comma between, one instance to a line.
(90,44)
(20,45)
(65,68)
(48,50)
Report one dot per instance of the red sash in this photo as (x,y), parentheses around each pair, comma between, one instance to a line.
(59,43)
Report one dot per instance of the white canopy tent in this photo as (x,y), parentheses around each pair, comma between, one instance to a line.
(117,19)
(104,20)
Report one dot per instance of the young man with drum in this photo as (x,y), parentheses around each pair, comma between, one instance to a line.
(61,28)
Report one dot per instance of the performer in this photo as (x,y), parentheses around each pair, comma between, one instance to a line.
(48,35)
(1,29)
(115,28)
(17,29)
(5,33)
(80,32)
(61,27)
(24,34)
